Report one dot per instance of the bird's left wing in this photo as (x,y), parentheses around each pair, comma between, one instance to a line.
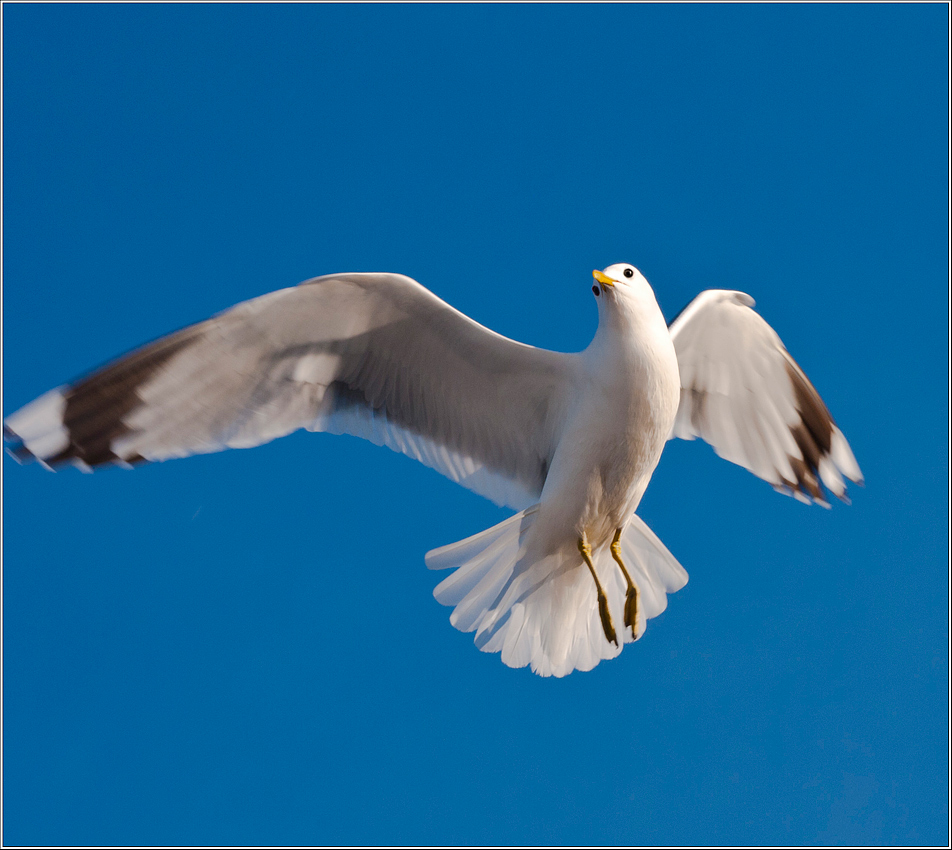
(373,355)
(743,393)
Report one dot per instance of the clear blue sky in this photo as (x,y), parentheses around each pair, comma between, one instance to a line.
(244,648)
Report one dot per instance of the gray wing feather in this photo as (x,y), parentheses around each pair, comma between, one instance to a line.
(373,355)
(743,393)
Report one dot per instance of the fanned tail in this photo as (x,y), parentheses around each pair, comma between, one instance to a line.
(544,612)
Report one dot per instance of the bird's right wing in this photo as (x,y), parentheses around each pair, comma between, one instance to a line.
(743,393)
(373,355)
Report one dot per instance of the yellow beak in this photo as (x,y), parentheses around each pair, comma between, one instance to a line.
(602,278)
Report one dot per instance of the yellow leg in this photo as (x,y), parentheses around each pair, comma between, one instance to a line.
(631,599)
(603,612)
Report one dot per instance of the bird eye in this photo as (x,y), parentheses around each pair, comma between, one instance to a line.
(629,273)
(595,290)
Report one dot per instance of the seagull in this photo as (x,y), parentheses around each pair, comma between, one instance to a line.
(570,441)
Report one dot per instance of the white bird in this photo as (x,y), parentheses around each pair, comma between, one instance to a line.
(568,440)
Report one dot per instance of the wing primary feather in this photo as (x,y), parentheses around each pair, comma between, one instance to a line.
(96,405)
(744,394)
(810,406)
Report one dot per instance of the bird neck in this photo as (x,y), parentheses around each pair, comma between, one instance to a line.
(631,325)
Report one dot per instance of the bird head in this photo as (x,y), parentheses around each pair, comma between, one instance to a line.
(624,296)
(620,281)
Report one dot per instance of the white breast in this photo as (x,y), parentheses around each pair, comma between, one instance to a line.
(625,408)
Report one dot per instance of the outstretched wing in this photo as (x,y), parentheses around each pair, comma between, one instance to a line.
(743,393)
(373,355)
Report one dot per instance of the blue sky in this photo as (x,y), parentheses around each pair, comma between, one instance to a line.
(244,648)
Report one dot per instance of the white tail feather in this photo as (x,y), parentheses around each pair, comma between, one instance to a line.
(544,613)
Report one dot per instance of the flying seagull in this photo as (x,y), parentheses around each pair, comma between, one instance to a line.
(568,440)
